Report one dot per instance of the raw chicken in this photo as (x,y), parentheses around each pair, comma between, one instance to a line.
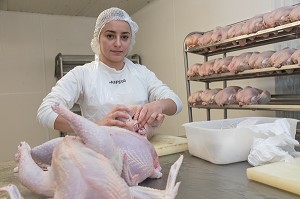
(221,65)
(192,40)
(295,14)
(219,34)
(282,15)
(77,171)
(193,70)
(42,154)
(277,17)
(262,60)
(133,155)
(227,96)
(195,98)
(208,96)
(253,25)
(282,57)
(12,190)
(134,126)
(205,39)
(240,63)
(295,58)
(206,68)
(250,95)
(217,66)
(253,58)
(235,30)
(203,97)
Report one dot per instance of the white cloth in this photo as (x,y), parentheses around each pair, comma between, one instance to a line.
(97,88)
(273,143)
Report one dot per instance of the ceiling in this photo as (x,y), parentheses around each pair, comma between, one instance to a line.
(88,8)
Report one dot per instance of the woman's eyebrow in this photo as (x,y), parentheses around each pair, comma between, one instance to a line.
(112,31)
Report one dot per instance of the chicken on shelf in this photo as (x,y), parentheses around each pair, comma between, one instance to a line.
(229,96)
(274,18)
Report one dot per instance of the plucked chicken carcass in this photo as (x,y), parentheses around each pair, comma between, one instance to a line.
(134,126)
(208,96)
(219,34)
(221,65)
(281,57)
(295,14)
(277,17)
(194,70)
(262,60)
(140,160)
(250,95)
(192,40)
(42,154)
(227,96)
(12,190)
(217,66)
(195,98)
(235,31)
(131,156)
(295,57)
(253,25)
(205,39)
(203,97)
(206,68)
(253,58)
(78,171)
(240,63)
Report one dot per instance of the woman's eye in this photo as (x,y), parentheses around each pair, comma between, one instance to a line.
(125,37)
(109,36)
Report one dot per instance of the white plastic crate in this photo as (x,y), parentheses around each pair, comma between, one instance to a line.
(220,142)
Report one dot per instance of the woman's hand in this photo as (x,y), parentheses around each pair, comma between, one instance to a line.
(117,117)
(151,114)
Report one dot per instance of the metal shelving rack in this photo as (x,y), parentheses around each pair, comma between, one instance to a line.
(277,34)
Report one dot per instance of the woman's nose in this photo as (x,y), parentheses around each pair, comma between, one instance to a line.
(118,41)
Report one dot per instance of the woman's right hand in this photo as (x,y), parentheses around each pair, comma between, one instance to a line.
(117,117)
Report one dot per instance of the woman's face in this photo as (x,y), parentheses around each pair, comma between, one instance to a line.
(114,40)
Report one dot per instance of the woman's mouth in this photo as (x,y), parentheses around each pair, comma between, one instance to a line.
(117,52)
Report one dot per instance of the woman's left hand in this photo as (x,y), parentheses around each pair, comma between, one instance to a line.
(151,113)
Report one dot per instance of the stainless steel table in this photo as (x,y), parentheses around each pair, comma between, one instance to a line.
(203,180)
(199,179)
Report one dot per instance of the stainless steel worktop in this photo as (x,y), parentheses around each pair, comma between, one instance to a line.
(199,179)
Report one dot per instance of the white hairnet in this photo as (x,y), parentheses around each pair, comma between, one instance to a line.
(107,16)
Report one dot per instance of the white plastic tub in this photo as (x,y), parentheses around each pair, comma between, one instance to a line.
(220,142)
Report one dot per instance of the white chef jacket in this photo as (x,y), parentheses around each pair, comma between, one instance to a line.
(98,88)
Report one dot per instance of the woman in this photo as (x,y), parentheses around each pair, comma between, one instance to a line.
(106,87)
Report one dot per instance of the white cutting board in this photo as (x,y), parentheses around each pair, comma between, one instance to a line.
(282,175)
(168,144)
